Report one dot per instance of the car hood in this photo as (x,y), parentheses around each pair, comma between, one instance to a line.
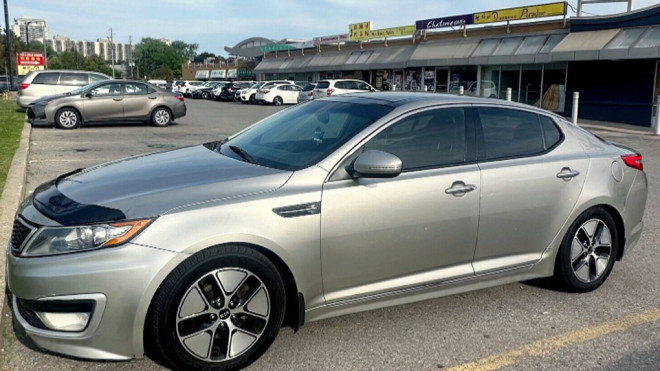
(152,185)
(46,99)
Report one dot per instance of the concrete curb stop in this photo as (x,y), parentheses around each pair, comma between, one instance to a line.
(12,195)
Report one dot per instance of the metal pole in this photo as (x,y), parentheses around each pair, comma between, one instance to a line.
(8,34)
(27,35)
(461,90)
(576,99)
(509,92)
(656,122)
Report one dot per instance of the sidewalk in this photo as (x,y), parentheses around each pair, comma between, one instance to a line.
(614,126)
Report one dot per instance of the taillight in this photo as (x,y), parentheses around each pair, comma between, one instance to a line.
(311,94)
(265,91)
(330,91)
(23,86)
(179,97)
(634,161)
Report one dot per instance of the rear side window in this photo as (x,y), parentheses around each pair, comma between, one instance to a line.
(96,78)
(308,87)
(551,134)
(76,79)
(323,85)
(344,85)
(47,78)
(510,133)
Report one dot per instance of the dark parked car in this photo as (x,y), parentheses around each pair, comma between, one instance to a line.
(109,101)
(4,83)
(205,92)
(228,90)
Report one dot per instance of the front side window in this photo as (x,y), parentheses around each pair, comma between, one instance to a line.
(304,135)
(426,139)
(509,133)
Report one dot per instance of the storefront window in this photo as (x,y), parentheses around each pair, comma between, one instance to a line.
(554,87)
(441,80)
(490,81)
(510,78)
(530,84)
(465,76)
(413,80)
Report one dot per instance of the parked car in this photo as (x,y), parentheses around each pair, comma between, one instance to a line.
(248,95)
(189,86)
(38,84)
(228,90)
(206,251)
(278,94)
(204,92)
(5,83)
(307,93)
(326,88)
(104,101)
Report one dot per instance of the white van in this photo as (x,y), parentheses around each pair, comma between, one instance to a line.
(38,84)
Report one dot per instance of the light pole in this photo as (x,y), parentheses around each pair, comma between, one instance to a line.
(8,35)
(27,34)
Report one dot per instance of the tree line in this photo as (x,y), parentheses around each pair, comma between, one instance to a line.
(152,58)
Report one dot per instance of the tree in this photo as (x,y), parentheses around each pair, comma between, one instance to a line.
(203,56)
(151,54)
(187,51)
(15,49)
(163,73)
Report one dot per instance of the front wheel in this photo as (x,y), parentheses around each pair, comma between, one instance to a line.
(205,95)
(277,101)
(161,117)
(219,310)
(67,118)
(587,254)
(252,99)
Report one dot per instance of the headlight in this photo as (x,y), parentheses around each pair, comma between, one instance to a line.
(62,240)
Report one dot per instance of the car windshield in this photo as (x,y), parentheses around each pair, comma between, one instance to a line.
(304,135)
(257,85)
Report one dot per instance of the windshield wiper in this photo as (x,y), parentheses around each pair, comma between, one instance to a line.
(241,152)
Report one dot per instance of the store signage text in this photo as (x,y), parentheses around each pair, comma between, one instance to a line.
(526,12)
(275,48)
(29,62)
(363,31)
(202,74)
(334,39)
(455,21)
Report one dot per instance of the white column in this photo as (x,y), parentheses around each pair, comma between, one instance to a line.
(576,100)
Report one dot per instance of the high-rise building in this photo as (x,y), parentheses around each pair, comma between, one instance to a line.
(28,28)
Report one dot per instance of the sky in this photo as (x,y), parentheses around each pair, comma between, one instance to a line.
(214,24)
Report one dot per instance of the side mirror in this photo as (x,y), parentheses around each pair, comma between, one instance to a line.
(376,164)
(89,94)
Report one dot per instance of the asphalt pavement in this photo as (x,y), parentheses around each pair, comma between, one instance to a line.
(518,326)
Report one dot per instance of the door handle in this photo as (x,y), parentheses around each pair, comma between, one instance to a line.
(459,188)
(153,97)
(117,99)
(567,174)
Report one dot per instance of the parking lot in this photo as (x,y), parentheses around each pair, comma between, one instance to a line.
(518,326)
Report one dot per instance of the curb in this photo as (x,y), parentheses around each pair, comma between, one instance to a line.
(11,197)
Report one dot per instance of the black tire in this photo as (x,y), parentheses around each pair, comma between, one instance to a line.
(161,117)
(244,101)
(252,99)
(205,95)
(200,275)
(277,101)
(579,250)
(67,118)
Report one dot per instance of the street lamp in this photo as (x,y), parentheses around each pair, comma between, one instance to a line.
(27,34)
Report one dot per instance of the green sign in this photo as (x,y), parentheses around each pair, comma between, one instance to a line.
(245,73)
(275,48)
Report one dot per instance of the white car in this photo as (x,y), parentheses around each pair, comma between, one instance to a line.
(326,88)
(248,95)
(278,94)
(38,84)
(188,86)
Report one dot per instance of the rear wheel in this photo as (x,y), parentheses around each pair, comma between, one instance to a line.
(161,116)
(67,118)
(219,310)
(588,252)
(205,95)
(277,101)
(252,99)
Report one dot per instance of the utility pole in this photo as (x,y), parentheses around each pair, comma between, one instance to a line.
(129,57)
(112,46)
(8,34)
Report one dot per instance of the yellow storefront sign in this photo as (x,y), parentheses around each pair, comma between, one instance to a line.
(359,31)
(524,12)
(393,32)
(23,70)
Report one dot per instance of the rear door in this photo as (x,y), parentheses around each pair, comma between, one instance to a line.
(42,85)
(105,103)
(139,101)
(71,80)
(531,178)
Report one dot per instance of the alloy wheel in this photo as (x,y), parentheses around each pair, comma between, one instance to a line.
(68,119)
(162,117)
(591,250)
(223,314)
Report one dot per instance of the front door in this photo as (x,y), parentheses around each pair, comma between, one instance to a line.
(380,235)
(531,179)
(104,103)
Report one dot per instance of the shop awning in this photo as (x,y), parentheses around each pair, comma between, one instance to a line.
(580,46)
(634,43)
(328,61)
(270,65)
(443,53)
(389,57)
(515,49)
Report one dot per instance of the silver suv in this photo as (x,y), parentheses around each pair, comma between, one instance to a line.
(326,88)
(38,84)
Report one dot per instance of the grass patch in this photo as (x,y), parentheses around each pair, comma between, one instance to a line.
(11,125)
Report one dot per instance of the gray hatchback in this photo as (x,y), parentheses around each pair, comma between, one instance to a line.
(331,207)
(108,101)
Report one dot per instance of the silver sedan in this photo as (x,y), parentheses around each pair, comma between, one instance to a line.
(331,207)
(108,101)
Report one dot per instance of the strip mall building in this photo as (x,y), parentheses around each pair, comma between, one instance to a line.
(612,61)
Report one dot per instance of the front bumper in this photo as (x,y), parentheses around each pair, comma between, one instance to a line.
(118,280)
(36,115)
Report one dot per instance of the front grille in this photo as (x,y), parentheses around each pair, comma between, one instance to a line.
(30,113)
(19,234)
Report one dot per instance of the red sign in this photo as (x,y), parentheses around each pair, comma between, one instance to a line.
(30,59)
